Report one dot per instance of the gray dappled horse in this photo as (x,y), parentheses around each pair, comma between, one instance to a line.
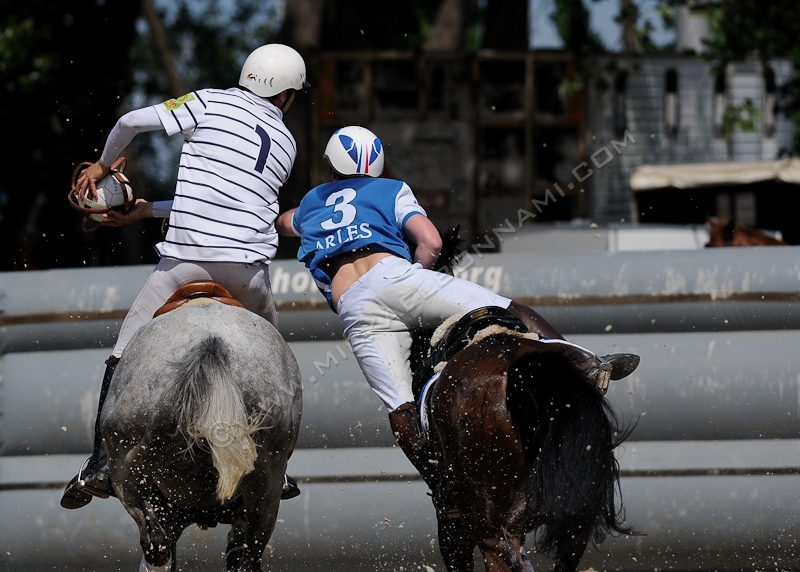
(201,418)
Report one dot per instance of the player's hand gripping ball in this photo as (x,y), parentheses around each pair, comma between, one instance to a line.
(114,192)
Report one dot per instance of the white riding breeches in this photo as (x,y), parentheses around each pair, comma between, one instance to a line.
(249,284)
(380,308)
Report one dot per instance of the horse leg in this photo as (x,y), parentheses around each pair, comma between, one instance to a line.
(254,522)
(237,537)
(170,566)
(569,562)
(155,542)
(260,524)
(502,554)
(145,567)
(455,545)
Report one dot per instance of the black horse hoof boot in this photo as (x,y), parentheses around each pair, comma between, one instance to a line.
(290,488)
(95,480)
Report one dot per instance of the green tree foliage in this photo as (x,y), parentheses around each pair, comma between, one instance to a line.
(64,69)
(571,18)
(208,40)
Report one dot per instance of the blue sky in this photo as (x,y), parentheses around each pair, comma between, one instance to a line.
(543,33)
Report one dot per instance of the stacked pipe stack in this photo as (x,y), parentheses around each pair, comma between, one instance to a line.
(710,474)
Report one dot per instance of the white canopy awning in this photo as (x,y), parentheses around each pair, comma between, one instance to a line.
(693,175)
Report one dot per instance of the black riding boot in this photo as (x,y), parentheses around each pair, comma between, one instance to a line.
(599,370)
(405,426)
(290,488)
(94,478)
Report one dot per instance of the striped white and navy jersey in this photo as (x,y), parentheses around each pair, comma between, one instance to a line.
(236,156)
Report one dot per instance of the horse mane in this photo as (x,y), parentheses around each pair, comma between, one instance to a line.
(569,433)
(452,250)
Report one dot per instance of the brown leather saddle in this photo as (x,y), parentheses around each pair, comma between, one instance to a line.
(196,291)
(457,337)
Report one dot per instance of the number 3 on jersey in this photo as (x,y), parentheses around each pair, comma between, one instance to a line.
(342,209)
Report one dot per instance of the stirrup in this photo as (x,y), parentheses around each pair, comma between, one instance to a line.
(74,496)
(600,375)
(83,486)
(98,482)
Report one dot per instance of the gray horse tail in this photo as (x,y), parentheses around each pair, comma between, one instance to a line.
(210,407)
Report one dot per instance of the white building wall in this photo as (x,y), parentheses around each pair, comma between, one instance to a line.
(695,141)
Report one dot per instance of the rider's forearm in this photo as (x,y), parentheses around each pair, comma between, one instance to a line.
(426,256)
(283,224)
(127,127)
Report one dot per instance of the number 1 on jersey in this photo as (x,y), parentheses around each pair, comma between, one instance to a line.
(263,151)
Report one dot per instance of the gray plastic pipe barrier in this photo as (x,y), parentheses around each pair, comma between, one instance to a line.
(709,385)
(704,290)
(709,517)
(692,498)
(737,385)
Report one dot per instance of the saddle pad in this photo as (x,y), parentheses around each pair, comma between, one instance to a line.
(422,404)
(493,330)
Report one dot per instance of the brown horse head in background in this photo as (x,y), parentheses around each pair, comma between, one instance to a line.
(725,232)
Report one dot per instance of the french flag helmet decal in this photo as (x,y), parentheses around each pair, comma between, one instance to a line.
(361,156)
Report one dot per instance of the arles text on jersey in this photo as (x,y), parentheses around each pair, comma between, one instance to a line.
(344,215)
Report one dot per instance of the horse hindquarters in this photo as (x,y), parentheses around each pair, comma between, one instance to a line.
(575,473)
(215,411)
(481,460)
(210,407)
(204,410)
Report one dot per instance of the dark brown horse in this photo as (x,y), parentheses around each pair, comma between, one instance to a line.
(525,445)
(725,232)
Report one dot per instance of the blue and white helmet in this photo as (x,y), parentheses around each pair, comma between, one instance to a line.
(355,151)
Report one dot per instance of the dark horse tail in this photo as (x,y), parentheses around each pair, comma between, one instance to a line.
(569,433)
(210,411)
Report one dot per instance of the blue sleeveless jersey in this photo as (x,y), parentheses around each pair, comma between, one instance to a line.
(352,214)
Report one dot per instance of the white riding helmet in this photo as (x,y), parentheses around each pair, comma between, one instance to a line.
(355,151)
(273,68)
